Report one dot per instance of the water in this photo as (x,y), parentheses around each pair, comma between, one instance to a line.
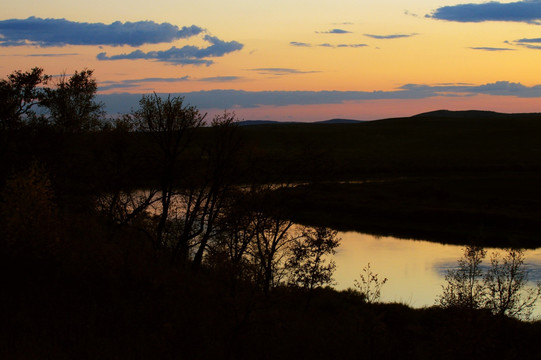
(415,269)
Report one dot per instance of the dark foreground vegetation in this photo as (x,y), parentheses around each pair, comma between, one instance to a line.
(162,234)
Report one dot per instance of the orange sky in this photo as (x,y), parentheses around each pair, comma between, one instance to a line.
(489,62)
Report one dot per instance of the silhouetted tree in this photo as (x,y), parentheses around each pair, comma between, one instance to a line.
(169,123)
(464,286)
(203,189)
(271,246)
(506,284)
(120,200)
(502,289)
(308,265)
(71,103)
(369,284)
(19,93)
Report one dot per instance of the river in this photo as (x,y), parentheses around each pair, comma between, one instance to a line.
(415,269)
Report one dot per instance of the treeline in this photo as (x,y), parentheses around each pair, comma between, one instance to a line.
(190,207)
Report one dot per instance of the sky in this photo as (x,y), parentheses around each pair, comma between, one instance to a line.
(294,60)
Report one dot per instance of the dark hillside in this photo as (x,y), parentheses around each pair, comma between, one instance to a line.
(452,177)
(405,146)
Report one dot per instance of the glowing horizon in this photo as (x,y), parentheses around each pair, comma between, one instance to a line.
(376,61)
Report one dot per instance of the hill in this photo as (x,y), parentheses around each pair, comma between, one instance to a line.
(474,114)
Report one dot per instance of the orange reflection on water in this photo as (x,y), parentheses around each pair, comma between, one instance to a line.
(415,269)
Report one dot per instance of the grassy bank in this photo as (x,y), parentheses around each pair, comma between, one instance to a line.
(113,300)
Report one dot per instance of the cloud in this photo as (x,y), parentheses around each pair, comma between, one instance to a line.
(484,48)
(228,99)
(221,78)
(530,40)
(351,45)
(132,83)
(334,31)
(528,11)
(529,43)
(281,71)
(61,32)
(387,37)
(187,55)
(407,13)
(299,44)
(44,55)
(530,46)
(344,45)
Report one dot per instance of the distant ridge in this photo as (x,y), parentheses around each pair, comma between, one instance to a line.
(472,114)
(338,121)
(259,122)
(437,114)
(274,122)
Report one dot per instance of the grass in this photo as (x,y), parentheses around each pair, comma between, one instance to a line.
(113,300)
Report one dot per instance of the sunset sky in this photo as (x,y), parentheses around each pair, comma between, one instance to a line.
(293,60)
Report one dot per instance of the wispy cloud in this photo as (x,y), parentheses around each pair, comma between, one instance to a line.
(528,11)
(298,44)
(388,37)
(350,45)
(187,55)
(130,83)
(227,99)
(61,32)
(485,48)
(530,43)
(133,83)
(221,79)
(281,71)
(44,55)
(529,40)
(334,31)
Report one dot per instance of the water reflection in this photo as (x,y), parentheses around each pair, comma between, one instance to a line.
(415,269)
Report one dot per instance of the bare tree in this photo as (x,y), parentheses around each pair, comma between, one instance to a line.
(168,122)
(464,286)
(502,289)
(370,284)
(506,283)
(308,266)
(273,236)
(220,175)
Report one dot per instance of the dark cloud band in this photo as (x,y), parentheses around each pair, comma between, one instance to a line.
(61,32)
(187,55)
(227,99)
(521,11)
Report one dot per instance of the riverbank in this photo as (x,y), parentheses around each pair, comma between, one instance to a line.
(501,210)
(112,300)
